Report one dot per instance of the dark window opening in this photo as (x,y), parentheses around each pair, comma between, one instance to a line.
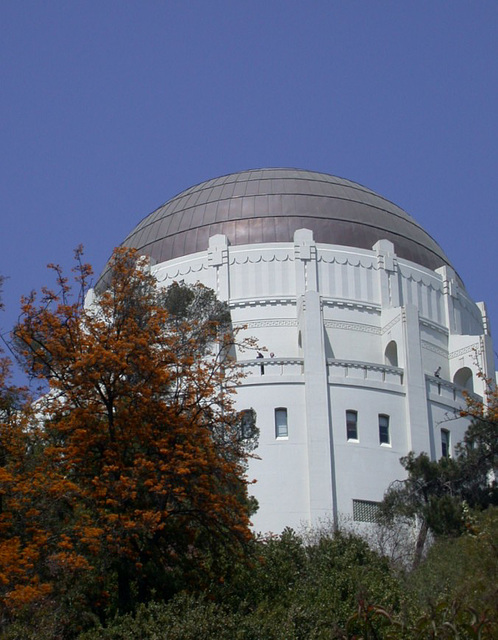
(352,424)
(384,437)
(445,443)
(281,425)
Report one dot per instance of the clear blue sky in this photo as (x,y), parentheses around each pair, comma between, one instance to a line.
(109,108)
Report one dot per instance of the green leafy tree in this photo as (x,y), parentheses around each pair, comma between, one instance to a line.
(477,455)
(426,496)
(438,493)
(294,590)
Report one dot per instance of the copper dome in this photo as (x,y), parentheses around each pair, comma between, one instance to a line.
(268,205)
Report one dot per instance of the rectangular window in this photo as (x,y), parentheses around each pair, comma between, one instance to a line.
(281,426)
(352,425)
(365,510)
(445,443)
(384,437)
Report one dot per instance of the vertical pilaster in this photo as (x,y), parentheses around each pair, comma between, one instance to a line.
(486,343)
(389,284)
(453,320)
(218,259)
(485,319)
(419,436)
(305,261)
(322,502)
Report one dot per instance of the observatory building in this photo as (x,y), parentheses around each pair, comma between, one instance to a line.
(368,335)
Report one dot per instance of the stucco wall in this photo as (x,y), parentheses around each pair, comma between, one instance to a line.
(333,317)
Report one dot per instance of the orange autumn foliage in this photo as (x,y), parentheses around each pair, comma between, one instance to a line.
(130,469)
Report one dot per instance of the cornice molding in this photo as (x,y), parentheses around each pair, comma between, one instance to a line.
(262,302)
(430,324)
(351,304)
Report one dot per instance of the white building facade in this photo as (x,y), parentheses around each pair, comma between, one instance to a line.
(368,335)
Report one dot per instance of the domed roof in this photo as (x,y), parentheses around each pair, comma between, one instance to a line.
(268,205)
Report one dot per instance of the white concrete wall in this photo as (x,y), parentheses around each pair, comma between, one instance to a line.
(328,314)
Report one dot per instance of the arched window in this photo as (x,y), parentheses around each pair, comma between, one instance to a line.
(391,354)
(463,378)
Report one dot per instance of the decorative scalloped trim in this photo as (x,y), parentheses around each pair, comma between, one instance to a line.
(366,262)
(180,272)
(417,276)
(251,259)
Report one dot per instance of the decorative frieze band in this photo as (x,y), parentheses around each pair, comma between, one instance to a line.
(434,348)
(352,326)
(464,350)
(391,324)
(259,324)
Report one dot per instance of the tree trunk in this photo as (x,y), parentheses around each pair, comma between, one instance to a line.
(420,544)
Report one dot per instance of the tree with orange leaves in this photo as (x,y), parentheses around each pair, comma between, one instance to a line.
(140,462)
(21,540)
